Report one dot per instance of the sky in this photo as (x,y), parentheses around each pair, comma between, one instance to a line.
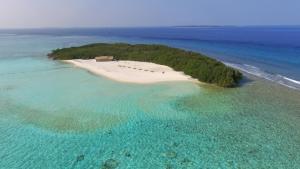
(145,13)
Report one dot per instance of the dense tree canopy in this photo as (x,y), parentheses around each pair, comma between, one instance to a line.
(198,66)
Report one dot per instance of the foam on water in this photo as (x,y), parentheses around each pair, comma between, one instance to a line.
(292,80)
(285,81)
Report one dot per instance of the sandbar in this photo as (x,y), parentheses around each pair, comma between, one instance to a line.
(132,71)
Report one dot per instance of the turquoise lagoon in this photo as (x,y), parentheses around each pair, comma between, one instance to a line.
(53,115)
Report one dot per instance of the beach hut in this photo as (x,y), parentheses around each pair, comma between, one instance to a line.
(104,58)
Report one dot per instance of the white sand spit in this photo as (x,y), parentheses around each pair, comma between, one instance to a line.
(132,71)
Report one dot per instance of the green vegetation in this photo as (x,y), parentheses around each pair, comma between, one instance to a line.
(198,66)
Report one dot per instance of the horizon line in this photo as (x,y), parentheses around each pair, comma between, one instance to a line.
(174,26)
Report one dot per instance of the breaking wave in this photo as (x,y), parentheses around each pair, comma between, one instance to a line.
(277,78)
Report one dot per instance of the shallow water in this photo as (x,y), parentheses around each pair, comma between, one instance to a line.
(53,115)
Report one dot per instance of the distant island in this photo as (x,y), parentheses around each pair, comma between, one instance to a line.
(196,65)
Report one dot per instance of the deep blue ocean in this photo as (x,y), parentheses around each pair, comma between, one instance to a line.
(269,52)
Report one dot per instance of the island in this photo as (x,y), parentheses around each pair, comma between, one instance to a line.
(162,61)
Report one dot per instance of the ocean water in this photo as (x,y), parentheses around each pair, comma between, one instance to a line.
(269,52)
(54,115)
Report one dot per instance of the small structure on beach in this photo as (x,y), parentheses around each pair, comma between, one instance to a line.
(104,58)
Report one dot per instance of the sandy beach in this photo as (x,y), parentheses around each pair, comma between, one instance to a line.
(132,71)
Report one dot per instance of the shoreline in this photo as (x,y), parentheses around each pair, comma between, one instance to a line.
(132,71)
